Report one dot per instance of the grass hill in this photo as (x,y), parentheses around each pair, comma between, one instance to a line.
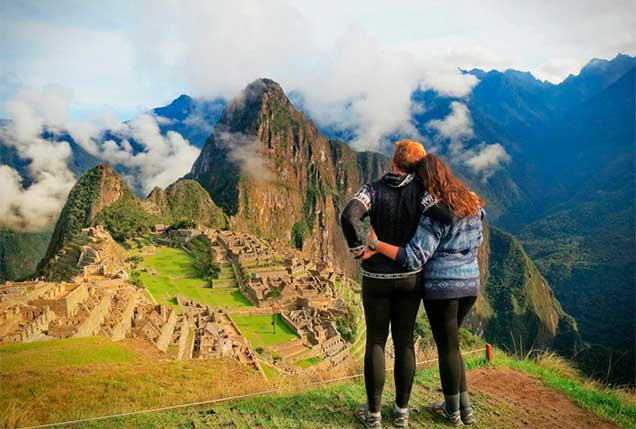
(68,375)
(185,200)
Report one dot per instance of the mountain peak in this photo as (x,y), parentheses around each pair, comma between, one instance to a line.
(179,108)
(242,112)
(102,168)
(262,85)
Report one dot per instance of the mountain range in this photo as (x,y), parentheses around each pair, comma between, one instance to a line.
(567,195)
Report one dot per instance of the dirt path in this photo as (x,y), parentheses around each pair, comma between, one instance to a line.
(505,392)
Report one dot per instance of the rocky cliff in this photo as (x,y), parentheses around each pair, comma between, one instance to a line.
(275,175)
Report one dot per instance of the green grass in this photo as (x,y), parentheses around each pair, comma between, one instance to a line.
(306,363)
(268,370)
(170,262)
(119,377)
(259,331)
(200,247)
(227,298)
(271,373)
(323,407)
(556,374)
(56,353)
(77,378)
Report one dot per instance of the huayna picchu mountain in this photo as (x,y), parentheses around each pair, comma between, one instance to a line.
(100,197)
(275,175)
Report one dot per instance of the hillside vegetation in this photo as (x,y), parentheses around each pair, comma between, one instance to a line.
(20,253)
(100,197)
(68,375)
(517,309)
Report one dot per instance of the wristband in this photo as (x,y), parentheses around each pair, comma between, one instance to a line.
(373,244)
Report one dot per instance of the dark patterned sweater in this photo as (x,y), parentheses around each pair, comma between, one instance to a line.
(394,203)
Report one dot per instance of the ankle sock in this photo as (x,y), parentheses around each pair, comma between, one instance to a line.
(376,414)
(464,402)
(400,410)
(452,403)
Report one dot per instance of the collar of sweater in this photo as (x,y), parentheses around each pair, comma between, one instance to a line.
(396,180)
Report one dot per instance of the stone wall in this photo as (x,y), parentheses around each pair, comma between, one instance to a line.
(165,337)
(123,326)
(66,305)
(183,339)
(92,324)
(118,282)
(334,360)
(36,327)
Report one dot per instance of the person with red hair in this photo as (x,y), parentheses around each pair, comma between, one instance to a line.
(394,205)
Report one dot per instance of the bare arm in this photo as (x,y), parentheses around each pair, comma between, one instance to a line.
(388,250)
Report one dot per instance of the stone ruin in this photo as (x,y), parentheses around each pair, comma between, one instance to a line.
(316,327)
(245,249)
(215,334)
(32,311)
(101,301)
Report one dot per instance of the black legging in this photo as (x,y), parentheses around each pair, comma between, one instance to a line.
(446,317)
(393,302)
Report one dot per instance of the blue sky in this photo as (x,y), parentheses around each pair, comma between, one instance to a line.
(124,57)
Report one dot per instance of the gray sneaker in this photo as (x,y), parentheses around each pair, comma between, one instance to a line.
(467,415)
(369,420)
(439,410)
(400,418)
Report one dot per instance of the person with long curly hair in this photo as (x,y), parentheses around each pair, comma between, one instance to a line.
(447,255)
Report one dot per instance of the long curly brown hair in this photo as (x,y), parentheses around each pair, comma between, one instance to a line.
(442,184)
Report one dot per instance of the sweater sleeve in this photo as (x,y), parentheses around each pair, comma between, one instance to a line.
(423,244)
(352,218)
(435,209)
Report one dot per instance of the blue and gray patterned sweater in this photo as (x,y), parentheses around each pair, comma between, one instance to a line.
(448,254)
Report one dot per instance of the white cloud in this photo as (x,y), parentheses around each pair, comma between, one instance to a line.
(129,54)
(246,151)
(456,129)
(366,87)
(557,69)
(162,160)
(354,81)
(486,159)
(35,208)
(457,126)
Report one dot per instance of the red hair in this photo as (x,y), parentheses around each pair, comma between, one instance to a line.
(407,154)
(440,182)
